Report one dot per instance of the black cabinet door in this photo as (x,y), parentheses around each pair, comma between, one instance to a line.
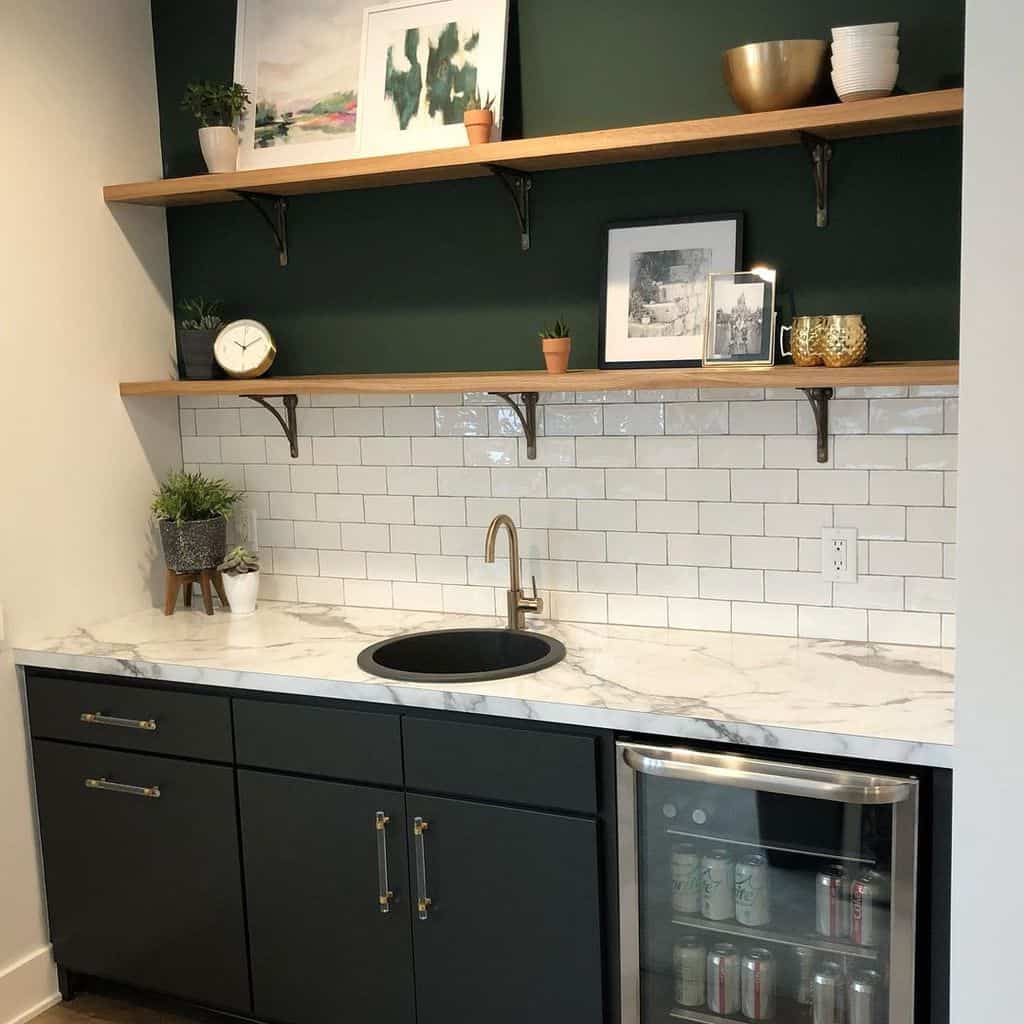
(144,888)
(512,932)
(321,948)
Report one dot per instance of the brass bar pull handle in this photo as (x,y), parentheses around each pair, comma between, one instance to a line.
(152,792)
(423,901)
(384,893)
(98,718)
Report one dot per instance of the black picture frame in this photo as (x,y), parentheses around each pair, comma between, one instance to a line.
(604,363)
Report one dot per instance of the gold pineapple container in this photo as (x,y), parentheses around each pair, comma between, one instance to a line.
(844,340)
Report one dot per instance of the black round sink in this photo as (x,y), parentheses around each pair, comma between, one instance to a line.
(461,655)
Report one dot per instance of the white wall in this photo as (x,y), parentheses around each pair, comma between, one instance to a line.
(988,899)
(83,303)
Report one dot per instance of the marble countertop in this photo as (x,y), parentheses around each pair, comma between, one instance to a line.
(873,701)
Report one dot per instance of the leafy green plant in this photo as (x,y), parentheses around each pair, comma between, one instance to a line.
(473,103)
(200,314)
(186,497)
(559,329)
(215,103)
(240,561)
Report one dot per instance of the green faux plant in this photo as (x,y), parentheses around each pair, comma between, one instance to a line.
(200,314)
(473,103)
(187,497)
(215,103)
(240,560)
(559,329)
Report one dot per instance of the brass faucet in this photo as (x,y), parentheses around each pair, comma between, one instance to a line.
(518,603)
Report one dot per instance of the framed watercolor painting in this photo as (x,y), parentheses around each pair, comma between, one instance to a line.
(300,62)
(655,287)
(422,61)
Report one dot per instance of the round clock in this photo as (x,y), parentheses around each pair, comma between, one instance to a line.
(244,348)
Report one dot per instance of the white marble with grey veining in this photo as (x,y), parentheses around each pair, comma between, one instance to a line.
(872,701)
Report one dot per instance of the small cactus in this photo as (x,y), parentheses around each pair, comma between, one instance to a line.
(559,329)
(240,561)
(474,103)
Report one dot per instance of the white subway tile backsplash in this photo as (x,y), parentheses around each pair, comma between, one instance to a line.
(607,515)
(463,600)
(320,590)
(731,584)
(668,395)
(578,545)
(896,558)
(951,415)
(794,452)
(390,565)
(834,486)
(949,489)
(797,588)
(695,613)
(949,561)
(572,420)
(949,631)
(764,553)
(576,483)
(278,451)
(925,595)
(384,400)
(416,480)
(343,564)
(519,483)
(567,606)
(697,549)
(460,421)
(217,422)
(187,422)
(292,506)
(647,548)
(766,619)
(358,422)
(315,422)
(666,452)
(441,569)
(906,416)
(603,397)
(634,419)
(369,593)
(388,508)
(698,484)
(647,484)
(387,451)
(731,517)
(415,540)
(770,485)
(480,511)
(931,524)
(315,479)
(296,562)
(551,451)
(607,578)
(432,511)
(412,422)
(694,418)
(548,513)
(873,522)
(867,451)
(601,452)
(904,628)
(269,478)
(201,449)
(629,610)
(832,623)
(912,487)
(490,451)
(885,592)
(797,520)
(666,516)
(937,451)
(461,540)
(472,481)
(424,597)
(365,537)
(732,452)
(276,533)
(437,451)
(667,580)
(762,417)
(362,480)
(503,421)
(278,588)
(317,535)
(337,451)
(845,416)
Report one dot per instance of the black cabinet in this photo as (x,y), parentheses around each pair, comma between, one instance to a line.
(321,947)
(143,880)
(512,932)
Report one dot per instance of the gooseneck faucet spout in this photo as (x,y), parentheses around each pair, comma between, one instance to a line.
(518,603)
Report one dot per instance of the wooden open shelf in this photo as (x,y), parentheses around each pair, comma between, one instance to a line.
(554,152)
(867,375)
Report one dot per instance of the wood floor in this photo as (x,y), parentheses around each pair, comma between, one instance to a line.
(93,1008)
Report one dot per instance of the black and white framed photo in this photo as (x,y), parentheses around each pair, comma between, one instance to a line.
(741,319)
(655,285)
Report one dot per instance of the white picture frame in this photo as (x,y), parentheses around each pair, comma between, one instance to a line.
(298,53)
(740,322)
(385,125)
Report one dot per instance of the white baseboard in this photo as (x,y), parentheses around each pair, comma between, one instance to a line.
(28,987)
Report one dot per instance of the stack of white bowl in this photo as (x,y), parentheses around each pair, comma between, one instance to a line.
(865,60)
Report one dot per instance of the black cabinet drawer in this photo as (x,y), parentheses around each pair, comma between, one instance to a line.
(130,717)
(522,766)
(354,745)
(144,882)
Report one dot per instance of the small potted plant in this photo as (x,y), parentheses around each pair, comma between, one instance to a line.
(241,570)
(197,331)
(479,118)
(192,511)
(217,107)
(557,345)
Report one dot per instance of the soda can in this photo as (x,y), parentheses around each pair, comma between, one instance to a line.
(757,985)
(828,1002)
(864,998)
(805,974)
(723,979)
(833,902)
(751,891)
(717,886)
(866,899)
(689,968)
(686,884)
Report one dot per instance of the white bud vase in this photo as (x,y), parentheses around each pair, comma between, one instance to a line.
(220,148)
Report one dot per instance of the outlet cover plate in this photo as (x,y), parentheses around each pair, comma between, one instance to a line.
(839,555)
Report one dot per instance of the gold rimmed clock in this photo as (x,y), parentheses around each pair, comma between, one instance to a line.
(244,348)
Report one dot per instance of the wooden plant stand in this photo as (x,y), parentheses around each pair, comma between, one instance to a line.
(206,578)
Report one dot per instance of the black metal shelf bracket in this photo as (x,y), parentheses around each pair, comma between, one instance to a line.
(527,416)
(819,399)
(290,424)
(518,185)
(277,221)
(820,152)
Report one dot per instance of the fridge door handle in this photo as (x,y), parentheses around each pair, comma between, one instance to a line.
(766,776)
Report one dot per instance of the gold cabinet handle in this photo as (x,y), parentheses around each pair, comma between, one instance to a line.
(98,718)
(384,893)
(423,901)
(152,792)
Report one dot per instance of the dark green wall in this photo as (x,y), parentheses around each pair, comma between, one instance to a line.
(431,277)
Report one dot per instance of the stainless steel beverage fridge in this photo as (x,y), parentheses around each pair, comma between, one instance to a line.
(759,890)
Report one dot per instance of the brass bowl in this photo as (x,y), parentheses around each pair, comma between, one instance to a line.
(776,76)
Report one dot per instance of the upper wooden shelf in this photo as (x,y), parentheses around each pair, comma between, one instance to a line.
(553,152)
(507,381)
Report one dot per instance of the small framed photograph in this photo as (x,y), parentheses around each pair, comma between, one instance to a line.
(656,288)
(741,319)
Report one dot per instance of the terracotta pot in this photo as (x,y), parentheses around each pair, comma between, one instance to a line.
(478,126)
(556,353)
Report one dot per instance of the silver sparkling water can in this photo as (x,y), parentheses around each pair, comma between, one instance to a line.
(686,883)
(805,957)
(757,985)
(829,996)
(866,900)
(689,968)
(833,902)
(864,998)
(753,906)
(717,885)
(723,979)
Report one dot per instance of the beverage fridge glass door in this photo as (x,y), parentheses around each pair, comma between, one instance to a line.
(758,890)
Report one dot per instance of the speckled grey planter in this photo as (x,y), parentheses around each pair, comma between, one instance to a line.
(193,546)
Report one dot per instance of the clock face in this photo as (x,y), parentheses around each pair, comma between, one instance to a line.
(244,348)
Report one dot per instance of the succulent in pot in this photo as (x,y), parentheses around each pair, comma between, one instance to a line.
(198,328)
(217,106)
(478,118)
(556,344)
(192,511)
(241,572)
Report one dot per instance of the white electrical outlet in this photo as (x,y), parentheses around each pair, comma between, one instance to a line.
(839,555)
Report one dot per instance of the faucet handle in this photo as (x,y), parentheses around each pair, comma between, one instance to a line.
(534,580)
(534,604)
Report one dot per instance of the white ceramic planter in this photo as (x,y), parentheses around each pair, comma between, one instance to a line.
(220,148)
(241,590)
